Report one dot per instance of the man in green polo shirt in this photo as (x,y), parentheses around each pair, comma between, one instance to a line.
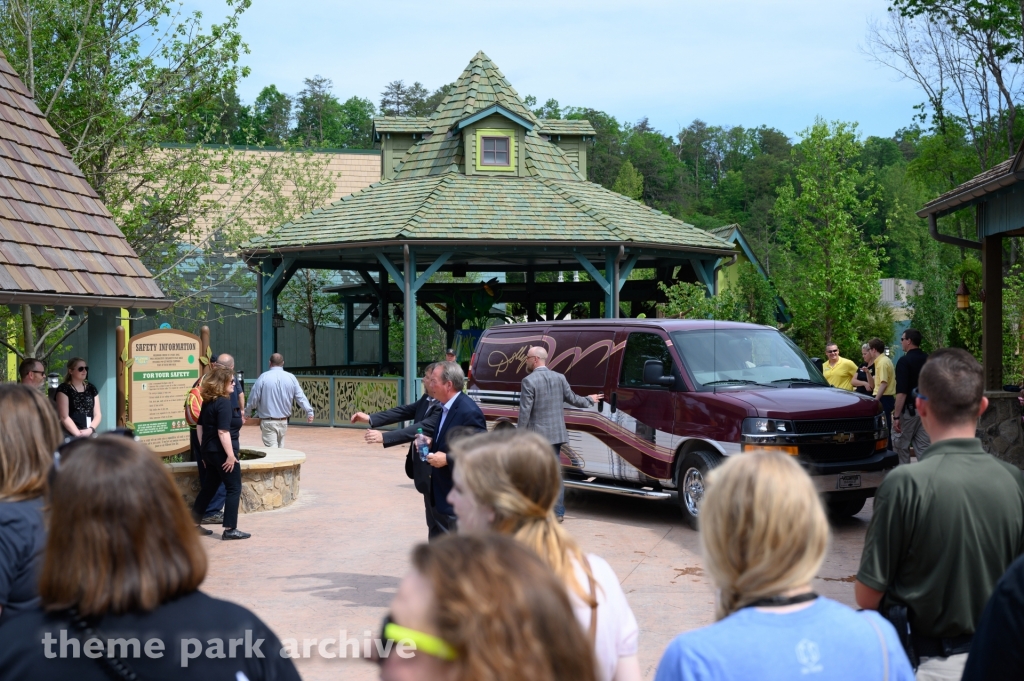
(943,531)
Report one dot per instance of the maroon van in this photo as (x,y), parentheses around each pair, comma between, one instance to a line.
(679,396)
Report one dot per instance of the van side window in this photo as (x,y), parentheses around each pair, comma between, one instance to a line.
(641,347)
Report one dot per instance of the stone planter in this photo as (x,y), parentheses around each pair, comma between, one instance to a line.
(267,484)
(1000,428)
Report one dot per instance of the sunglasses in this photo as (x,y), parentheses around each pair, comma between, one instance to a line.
(831,352)
(914,394)
(424,643)
(41,373)
(82,368)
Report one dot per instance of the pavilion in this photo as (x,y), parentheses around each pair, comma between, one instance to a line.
(483,185)
(59,246)
(997,197)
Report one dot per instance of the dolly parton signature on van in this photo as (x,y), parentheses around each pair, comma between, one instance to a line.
(501,362)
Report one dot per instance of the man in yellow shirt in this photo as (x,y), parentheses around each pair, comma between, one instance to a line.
(839,371)
(884,380)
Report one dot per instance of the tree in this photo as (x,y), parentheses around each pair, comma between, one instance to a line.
(830,281)
(691,301)
(397,99)
(629,182)
(116,79)
(304,301)
(272,115)
(322,121)
(300,187)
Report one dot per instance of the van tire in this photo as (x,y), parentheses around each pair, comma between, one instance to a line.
(692,480)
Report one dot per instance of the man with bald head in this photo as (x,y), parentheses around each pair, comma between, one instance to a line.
(541,397)
(272,397)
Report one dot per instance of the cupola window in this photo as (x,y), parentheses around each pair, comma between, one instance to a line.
(495,151)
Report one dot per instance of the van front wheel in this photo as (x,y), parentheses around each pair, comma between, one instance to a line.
(693,471)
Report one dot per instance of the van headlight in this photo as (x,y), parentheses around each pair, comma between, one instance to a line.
(759,426)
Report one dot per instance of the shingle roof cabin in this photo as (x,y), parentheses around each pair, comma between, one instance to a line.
(482,185)
(58,243)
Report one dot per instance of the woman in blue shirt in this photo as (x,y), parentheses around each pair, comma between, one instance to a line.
(765,534)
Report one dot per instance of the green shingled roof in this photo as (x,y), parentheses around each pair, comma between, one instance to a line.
(431,197)
(554,126)
(454,205)
(405,124)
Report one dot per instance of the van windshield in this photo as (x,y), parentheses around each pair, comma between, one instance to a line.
(723,357)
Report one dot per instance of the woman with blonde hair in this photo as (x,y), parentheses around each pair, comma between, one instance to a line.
(509,484)
(482,607)
(29,434)
(219,452)
(765,534)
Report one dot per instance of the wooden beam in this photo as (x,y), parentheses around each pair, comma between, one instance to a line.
(992,311)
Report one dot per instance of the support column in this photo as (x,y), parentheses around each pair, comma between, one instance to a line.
(992,309)
(610,308)
(531,307)
(350,332)
(103,324)
(385,318)
(272,281)
(259,320)
(410,325)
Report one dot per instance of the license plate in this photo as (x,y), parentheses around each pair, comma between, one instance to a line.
(848,482)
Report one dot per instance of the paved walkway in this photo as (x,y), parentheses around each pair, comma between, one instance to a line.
(331,561)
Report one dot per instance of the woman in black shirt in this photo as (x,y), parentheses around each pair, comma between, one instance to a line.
(219,452)
(29,433)
(78,402)
(120,583)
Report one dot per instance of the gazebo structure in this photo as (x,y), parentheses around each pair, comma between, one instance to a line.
(483,185)
(997,197)
(59,246)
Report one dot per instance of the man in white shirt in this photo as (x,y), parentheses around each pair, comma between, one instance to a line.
(272,397)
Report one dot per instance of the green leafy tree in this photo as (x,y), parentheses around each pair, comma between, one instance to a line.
(629,182)
(272,114)
(691,301)
(830,281)
(117,79)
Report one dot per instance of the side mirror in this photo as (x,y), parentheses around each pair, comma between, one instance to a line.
(654,374)
(820,363)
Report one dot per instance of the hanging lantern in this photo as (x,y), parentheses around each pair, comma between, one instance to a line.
(963,296)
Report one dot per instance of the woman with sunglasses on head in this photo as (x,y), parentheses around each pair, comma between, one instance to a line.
(509,483)
(482,607)
(78,400)
(765,534)
(29,434)
(120,581)
(219,451)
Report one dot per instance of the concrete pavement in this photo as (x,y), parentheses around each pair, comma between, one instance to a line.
(331,561)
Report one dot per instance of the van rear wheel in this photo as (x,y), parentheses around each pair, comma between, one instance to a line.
(693,471)
(845,508)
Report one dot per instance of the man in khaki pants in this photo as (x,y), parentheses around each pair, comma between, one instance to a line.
(272,397)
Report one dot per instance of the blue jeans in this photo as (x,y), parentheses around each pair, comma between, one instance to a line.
(560,504)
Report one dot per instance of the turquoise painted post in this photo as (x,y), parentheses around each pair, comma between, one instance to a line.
(269,303)
(410,326)
(350,331)
(102,360)
(609,294)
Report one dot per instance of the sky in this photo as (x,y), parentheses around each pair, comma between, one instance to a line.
(726,62)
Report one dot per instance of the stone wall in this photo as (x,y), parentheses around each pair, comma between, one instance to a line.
(267,484)
(1000,428)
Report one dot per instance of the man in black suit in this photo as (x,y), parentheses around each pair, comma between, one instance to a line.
(460,416)
(425,413)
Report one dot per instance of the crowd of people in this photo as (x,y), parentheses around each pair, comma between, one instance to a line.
(99,553)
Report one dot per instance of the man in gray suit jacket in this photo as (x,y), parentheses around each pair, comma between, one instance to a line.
(541,397)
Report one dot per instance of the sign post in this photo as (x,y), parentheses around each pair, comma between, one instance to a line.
(162,365)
